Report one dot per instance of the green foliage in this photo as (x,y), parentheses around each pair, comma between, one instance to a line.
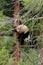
(8,8)
(2,2)
(30,58)
(8,43)
(22,63)
(1,13)
(25,2)
(5,58)
(5,24)
(32,8)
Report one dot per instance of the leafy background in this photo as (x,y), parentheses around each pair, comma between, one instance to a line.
(30,9)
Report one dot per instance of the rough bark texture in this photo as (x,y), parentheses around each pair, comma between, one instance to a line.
(16,13)
(16,23)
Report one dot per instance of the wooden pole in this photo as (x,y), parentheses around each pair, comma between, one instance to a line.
(16,23)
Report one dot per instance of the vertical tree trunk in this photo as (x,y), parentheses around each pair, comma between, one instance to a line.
(16,13)
(16,23)
(41,55)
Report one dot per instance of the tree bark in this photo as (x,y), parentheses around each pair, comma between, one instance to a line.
(16,23)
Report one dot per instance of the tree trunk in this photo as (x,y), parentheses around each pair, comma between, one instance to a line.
(16,23)
(16,13)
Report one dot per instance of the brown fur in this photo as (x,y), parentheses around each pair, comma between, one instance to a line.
(22,28)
